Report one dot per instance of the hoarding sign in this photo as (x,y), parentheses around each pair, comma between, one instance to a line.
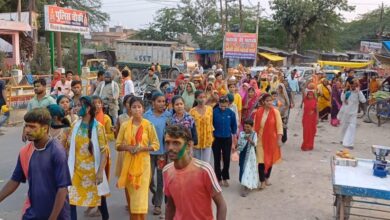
(368,47)
(66,20)
(240,46)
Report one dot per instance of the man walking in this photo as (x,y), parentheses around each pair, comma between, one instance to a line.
(108,90)
(77,91)
(44,164)
(348,113)
(190,184)
(41,99)
(225,126)
(62,87)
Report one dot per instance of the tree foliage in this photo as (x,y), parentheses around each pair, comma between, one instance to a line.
(299,17)
(366,28)
(40,64)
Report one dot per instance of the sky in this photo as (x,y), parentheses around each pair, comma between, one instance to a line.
(137,14)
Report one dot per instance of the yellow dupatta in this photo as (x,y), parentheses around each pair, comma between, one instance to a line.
(133,163)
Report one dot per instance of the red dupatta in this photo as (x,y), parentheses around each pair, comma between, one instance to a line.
(269,138)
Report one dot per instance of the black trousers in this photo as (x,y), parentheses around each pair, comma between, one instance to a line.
(102,208)
(223,145)
(262,174)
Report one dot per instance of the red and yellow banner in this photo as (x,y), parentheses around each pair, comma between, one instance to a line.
(65,20)
(240,45)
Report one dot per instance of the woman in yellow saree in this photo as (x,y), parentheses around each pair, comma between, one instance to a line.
(137,137)
(324,99)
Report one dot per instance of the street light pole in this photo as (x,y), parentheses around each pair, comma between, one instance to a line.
(257,30)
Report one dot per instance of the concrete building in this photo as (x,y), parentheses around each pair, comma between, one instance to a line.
(109,36)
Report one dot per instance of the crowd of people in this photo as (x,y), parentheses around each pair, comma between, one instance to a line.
(167,148)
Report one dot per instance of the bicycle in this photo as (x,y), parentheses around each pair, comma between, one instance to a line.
(379,111)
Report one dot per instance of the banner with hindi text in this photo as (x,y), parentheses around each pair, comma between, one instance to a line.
(66,20)
(240,46)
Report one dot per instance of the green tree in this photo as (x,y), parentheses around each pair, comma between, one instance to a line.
(299,17)
(166,26)
(200,19)
(40,64)
(365,28)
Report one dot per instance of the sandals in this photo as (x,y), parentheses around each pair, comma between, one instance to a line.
(90,213)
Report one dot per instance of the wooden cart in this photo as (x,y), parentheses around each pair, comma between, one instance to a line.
(359,193)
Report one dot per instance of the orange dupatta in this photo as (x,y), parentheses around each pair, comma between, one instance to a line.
(100,117)
(269,137)
(133,163)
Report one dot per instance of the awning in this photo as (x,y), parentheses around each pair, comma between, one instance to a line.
(345,64)
(271,57)
(387,45)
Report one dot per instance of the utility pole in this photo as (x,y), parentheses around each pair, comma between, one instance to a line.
(241,19)
(222,28)
(226,16)
(257,29)
(19,9)
(58,43)
(32,10)
(382,25)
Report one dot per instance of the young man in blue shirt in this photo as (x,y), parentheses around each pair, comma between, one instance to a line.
(225,126)
(44,164)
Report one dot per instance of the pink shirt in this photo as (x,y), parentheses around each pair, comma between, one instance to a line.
(192,189)
(63,88)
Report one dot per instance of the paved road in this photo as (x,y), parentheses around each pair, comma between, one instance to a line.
(301,183)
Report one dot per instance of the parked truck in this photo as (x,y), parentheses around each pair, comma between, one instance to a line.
(138,55)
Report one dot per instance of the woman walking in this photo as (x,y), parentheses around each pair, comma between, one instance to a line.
(104,119)
(284,108)
(203,117)
(189,96)
(324,99)
(336,102)
(269,128)
(66,104)
(180,116)
(121,154)
(137,137)
(60,125)
(248,176)
(249,104)
(309,121)
(88,154)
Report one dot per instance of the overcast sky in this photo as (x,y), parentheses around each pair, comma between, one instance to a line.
(137,14)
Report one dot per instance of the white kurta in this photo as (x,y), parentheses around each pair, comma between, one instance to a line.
(348,116)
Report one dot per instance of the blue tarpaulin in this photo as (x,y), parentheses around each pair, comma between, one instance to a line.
(207,51)
(387,45)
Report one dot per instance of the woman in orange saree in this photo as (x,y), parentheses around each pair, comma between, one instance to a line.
(269,128)
(309,121)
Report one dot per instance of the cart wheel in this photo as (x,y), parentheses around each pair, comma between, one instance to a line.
(371,114)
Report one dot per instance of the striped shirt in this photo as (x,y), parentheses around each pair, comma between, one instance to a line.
(192,189)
